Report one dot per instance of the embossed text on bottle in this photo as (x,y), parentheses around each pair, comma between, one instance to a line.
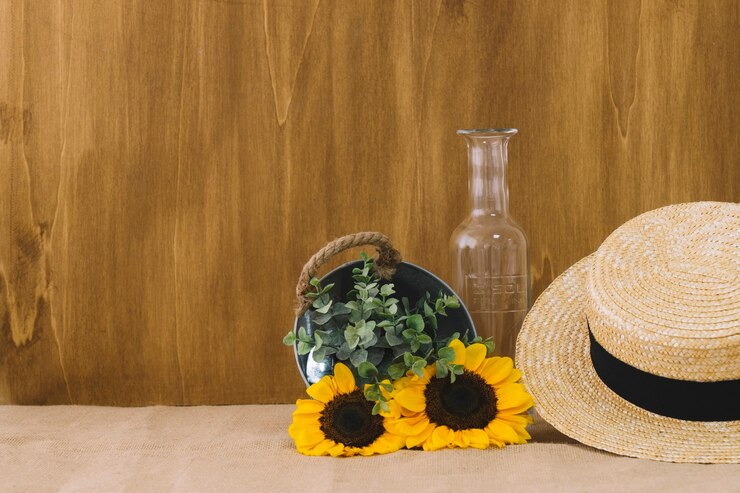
(488,294)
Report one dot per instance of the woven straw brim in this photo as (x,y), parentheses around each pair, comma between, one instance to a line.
(553,352)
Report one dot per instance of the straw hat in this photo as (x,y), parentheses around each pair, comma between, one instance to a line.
(636,348)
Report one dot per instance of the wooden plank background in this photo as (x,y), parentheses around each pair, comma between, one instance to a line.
(167,167)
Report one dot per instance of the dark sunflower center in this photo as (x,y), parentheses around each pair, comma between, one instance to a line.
(467,403)
(348,419)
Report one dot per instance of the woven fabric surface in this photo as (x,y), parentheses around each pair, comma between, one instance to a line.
(247,448)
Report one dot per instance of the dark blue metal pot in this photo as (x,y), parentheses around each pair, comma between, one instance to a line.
(411,281)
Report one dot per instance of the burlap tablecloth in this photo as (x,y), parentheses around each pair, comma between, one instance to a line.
(247,448)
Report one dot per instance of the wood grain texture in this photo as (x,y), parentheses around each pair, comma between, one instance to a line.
(167,167)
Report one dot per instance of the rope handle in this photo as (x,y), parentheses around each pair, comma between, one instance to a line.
(385,264)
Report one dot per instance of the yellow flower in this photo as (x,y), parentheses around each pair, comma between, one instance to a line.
(338,421)
(484,406)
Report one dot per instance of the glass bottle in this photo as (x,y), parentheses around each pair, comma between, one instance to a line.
(488,250)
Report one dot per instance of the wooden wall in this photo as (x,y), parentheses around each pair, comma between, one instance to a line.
(166,167)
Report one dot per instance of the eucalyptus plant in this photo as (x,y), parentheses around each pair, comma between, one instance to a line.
(380,336)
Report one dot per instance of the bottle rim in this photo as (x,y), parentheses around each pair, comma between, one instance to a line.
(487,132)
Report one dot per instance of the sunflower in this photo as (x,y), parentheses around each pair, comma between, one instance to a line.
(484,406)
(338,421)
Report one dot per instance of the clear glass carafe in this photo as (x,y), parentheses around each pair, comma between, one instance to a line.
(488,250)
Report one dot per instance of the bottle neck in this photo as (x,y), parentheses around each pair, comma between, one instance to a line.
(487,186)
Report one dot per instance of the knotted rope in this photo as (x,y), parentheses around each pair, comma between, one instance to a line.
(385,264)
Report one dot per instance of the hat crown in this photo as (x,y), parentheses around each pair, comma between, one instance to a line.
(664,292)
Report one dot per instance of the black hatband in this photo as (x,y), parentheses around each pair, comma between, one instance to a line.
(680,399)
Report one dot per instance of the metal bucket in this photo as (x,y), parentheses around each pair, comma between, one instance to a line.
(412,282)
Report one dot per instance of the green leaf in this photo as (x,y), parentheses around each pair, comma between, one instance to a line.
(372,393)
(388,387)
(320,318)
(409,334)
(393,339)
(365,329)
(344,352)
(399,350)
(303,335)
(386,289)
(367,370)
(384,406)
(415,345)
(325,308)
(377,408)
(490,346)
(341,309)
(358,356)
(327,288)
(319,355)
(458,369)
(289,338)
(396,370)
(428,312)
(314,281)
(303,348)
(375,355)
(452,378)
(385,323)
(452,302)
(415,322)
(405,303)
(446,353)
(418,367)
(442,369)
(408,358)
(439,305)
(350,335)
(424,339)
(319,341)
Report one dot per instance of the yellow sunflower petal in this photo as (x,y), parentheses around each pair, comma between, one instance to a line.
(477,438)
(474,356)
(518,423)
(429,372)
(323,390)
(308,406)
(501,431)
(369,450)
(319,449)
(336,450)
(401,383)
(344,380)
(407,426)
(387,443)
(459,439)
(306,419)
(416,440)
(411,399)
(459,349)
(305,436)
(516,419)
(441,437)
(394,410)
(496,369)
(513,398)
(513,377)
